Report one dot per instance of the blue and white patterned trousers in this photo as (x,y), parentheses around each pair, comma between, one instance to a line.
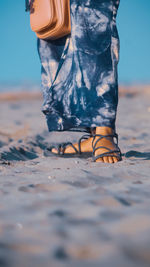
(79,71)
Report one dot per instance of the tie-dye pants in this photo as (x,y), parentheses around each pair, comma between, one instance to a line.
(79,71)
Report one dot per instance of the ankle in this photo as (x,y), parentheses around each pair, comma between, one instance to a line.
(104,130)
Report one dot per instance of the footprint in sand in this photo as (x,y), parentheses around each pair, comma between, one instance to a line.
(37,188)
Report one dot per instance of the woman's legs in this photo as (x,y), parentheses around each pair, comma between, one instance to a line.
(85,93)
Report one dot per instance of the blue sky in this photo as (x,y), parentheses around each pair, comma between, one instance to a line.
(18,52)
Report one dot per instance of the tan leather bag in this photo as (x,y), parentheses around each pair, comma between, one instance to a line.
(49,19)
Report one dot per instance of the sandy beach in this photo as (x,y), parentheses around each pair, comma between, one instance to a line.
(71,211)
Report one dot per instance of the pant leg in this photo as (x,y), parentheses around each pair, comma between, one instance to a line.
(85,93)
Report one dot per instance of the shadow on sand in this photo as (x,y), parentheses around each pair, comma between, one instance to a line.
(137,154)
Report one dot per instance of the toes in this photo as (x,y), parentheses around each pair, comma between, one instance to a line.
(110,159)
(106,160)
(100,160)
(115,159)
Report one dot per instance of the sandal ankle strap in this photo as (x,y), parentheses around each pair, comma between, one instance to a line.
(115,135)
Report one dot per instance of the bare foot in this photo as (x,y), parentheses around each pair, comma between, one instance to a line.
(108,143)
